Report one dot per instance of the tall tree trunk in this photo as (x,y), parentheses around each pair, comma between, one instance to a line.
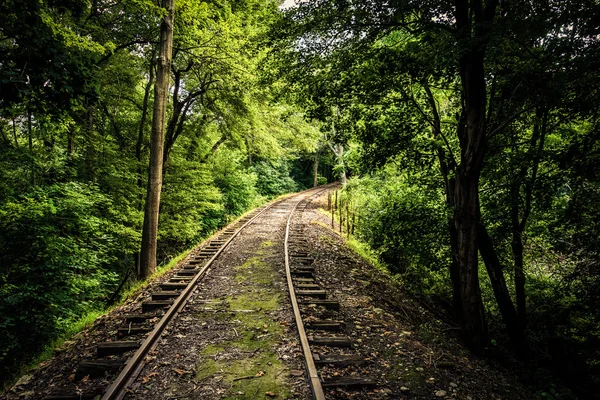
(140,144)
(466,221)
(316,170)
(473,24)
(151,214)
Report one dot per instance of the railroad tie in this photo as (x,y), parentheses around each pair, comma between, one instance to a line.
(307,286)
(179,279)
(340,360)
(132,329)
(332,341)
(115,348)
(328,304)
(173,286)
(165,295)
(348,382)
(324,326)
(152,305)
(137,318)
(97,368)
(302,260)
(187,272)
(319,294)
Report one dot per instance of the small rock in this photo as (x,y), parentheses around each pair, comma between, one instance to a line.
(440,393)
(404,389)
(454,385)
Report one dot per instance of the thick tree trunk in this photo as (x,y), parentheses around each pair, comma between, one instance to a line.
(151,214)
(466,221)
(473,23)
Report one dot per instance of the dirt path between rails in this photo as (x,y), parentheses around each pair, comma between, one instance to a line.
(236,339)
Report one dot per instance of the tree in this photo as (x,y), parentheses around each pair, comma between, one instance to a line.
(151,213)
(464,47)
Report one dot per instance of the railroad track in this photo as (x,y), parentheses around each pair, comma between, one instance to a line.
(316,312)
(119,362)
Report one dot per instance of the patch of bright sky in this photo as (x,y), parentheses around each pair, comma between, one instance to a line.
(290,3)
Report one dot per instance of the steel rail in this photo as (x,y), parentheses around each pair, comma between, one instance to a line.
(315,382)
(127,375)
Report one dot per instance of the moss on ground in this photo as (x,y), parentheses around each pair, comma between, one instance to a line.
(249,352)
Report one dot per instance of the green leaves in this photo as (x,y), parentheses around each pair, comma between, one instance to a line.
(59,253)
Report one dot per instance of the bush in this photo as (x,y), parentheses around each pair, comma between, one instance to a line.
(60,247)
(406,225)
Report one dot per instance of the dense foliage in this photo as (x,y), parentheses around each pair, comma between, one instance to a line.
(76,82)
(473,139)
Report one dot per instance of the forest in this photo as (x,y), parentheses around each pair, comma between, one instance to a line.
(464,135)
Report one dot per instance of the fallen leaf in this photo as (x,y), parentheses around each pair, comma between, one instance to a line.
(181,371)
(147,377)
(260,373)
(270,394)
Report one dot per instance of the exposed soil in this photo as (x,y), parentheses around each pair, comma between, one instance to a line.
(236,338)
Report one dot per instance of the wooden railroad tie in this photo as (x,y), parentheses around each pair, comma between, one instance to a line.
(115,348)
(134,329)
(331,326)
(302,260)
(187,272)
(319,294)
(97,368)
(180,279)
(342,360)
(165,295)
(137,318)
(173,286)
(332,341)
(152,305)
(307,286)
(329,304)
(348,382)
(303,273)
